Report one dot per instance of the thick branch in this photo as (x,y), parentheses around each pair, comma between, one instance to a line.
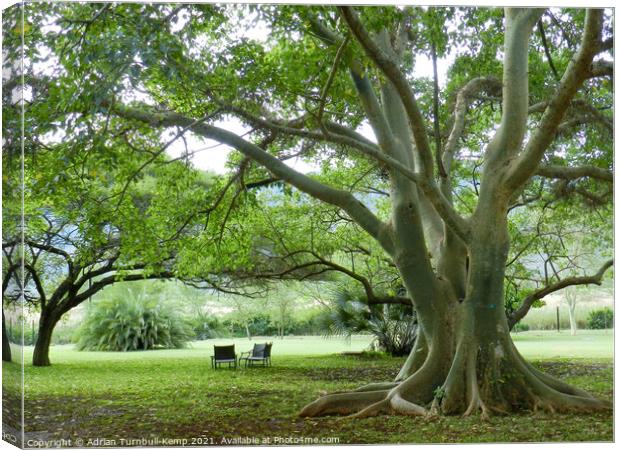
(527,303)
(572,173)
(343,199)
(509,136)
(577,72)
(398,79)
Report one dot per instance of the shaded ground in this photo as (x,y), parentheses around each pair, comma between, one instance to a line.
(147,401)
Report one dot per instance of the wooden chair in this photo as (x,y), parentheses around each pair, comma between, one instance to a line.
(224,354)
(261,353)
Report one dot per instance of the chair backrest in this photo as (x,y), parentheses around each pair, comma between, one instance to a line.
(224,352)
(259,350)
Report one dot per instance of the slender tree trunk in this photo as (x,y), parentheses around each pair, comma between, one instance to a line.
(47,322)
(247,331)
(571,317)
(6,345)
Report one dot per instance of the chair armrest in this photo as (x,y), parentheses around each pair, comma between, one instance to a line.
(245,353)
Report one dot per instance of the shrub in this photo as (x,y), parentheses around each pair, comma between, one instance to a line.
(600,319)
(208,327)
(64,334)
(132,323)
(520,327)
(393,326)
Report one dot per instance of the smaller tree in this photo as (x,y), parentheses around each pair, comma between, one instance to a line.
(570,294)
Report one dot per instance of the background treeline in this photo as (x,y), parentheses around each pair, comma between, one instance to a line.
(299,309)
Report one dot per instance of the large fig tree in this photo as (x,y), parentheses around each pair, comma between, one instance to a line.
(527,97)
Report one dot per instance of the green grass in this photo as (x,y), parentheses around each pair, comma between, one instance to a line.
(532,344)
(551,344)
(175,394)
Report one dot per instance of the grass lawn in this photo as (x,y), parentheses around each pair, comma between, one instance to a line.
(174,394)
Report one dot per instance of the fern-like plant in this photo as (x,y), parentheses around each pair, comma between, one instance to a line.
(393,326)
(126,323)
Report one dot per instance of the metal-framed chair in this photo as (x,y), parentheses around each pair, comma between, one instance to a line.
(224,354)
(261,353)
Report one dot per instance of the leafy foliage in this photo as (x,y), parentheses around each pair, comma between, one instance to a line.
(600,319)
(393,326)
(126,323)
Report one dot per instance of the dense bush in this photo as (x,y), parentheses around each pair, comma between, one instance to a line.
(393,326)
(14,332)
(132,323)
(600,319)
(520,327)
(208,327)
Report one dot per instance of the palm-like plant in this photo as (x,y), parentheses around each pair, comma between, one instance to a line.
(393,326)
(125,323)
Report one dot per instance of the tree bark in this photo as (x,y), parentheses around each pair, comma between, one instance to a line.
(247,331)
(465,361)
(6,344)
(47,322)
(571,299)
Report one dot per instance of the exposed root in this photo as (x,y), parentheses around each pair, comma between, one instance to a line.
(377,386)
(473,391)
(344,403)
(402,406)
(486,380)
(553,382)
(545,392)
(382,406)
(416,358)
(434,410)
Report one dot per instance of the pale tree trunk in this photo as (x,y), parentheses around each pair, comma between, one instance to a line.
(247,331)
(571,318)
(464,361)
(571,301)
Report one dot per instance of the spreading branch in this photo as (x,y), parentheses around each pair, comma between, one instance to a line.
(527,303)
(391,70)
(343,199)
(577,72)
(573,173)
